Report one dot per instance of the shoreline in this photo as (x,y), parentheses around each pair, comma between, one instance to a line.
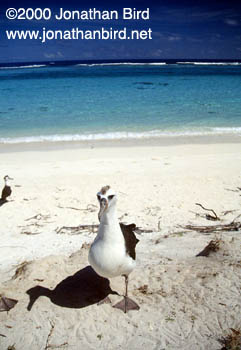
(161,141)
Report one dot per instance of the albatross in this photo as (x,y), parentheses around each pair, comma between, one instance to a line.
(112,253)
(6,192)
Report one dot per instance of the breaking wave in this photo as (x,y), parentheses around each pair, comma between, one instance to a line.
(119,135)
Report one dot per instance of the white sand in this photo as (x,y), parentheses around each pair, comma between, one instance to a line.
(189,302)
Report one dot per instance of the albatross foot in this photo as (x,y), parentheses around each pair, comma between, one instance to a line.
(127,304)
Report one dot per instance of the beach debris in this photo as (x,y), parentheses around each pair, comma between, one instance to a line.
(50,346)
(21,269)
(153,211)
(233,226)
(143,289)
(232,341)
(90,208)
(85,246)
(213,217)
(49,335)
(29,233)
(238,189)
(139,230)
(75,230)
(39,221)
(38,217)
(11,347)
(7,304)
(2,335)
(212,246)
(226,212)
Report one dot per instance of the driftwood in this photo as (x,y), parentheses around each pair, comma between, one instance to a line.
(233,226)
(213,217)
(212,246)
(75,230)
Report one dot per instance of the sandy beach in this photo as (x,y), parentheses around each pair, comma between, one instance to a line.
(186,302)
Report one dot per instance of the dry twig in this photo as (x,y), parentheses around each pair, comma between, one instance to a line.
(29,233)
(49,335)
(208,216)
(90,207)
(38,217)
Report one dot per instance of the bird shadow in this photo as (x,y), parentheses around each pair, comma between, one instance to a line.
(80,290)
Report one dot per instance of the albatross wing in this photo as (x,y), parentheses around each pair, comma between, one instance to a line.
(130,239)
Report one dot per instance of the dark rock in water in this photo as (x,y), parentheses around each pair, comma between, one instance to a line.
(43,108)
(143,83)
(7,89)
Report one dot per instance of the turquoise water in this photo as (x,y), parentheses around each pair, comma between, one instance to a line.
(117,101)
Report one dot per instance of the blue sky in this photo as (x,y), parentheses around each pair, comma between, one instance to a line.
(180,29)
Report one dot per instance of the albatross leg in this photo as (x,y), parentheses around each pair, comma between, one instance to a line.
(126,303)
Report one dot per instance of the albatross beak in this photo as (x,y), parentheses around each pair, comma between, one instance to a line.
(103,207)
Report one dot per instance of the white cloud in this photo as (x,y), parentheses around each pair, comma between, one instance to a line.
(53,55)
(174,37)
(231,22)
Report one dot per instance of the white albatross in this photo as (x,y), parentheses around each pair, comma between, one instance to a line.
(112,253)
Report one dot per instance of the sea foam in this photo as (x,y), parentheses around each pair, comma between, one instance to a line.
(119,135)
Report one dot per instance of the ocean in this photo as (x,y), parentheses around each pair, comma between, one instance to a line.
(98,101)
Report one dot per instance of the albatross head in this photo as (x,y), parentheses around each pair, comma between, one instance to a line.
(7,178)
(107,199)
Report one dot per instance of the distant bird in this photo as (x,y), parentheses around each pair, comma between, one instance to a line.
(6,192)
(113,251)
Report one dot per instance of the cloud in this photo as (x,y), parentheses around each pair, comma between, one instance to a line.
(231,22)
(174,38)
(53,55)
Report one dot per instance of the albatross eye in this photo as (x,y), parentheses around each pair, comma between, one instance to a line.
(111,196)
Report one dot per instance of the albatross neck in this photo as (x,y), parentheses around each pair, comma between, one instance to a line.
(7,183)
(110,217)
